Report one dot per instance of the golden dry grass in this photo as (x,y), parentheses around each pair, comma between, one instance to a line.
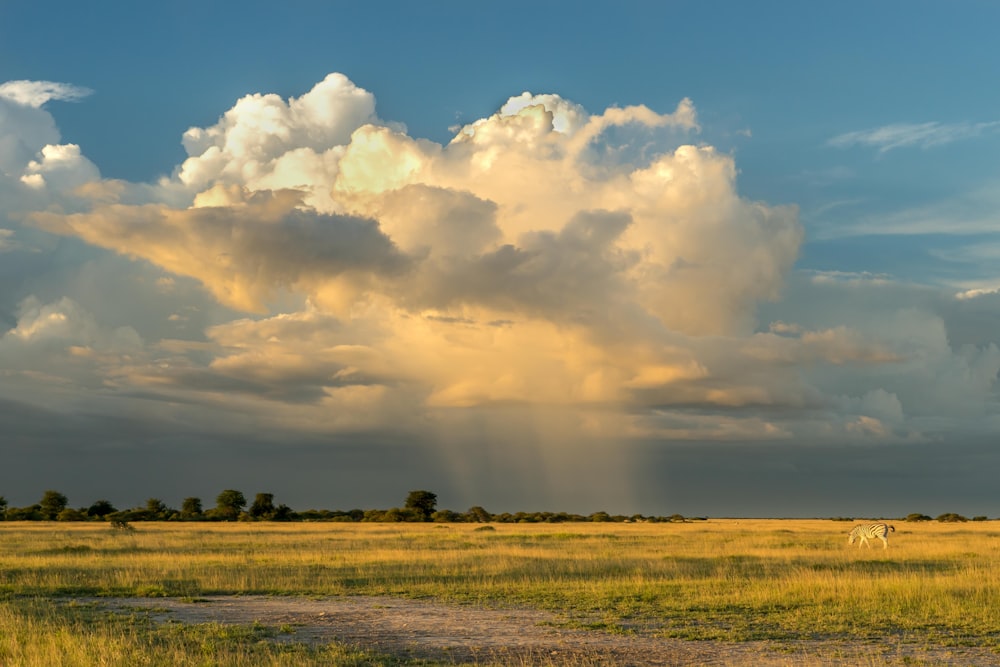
(717,579)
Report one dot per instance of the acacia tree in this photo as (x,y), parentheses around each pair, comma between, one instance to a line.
(156,509)
(422,504)
(228,505)
(101,508)
(191,508)
(477,514)
(263,506)
(51,504)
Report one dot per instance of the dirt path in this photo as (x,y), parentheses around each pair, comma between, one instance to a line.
(459,633)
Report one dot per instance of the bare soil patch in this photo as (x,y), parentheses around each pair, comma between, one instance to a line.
(447,634)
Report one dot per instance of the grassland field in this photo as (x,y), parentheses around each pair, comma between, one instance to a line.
(728,580)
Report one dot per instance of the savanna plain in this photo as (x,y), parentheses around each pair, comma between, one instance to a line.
(702,592)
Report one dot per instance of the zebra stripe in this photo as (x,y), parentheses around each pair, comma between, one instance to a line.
(867,531)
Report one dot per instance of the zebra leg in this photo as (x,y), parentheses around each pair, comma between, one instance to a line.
(885,542)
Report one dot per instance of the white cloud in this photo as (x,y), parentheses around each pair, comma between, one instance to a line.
(545,256)
(264,142)
(977,292)
(36,169)
(499,207)
(62,167)
(36,93)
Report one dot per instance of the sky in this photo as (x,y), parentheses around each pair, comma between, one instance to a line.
(708,258)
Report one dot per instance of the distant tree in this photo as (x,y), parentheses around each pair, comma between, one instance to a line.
(156,509)
(975,518)
(283,513)
(422,504)
(228,505)
(30,513)
(263,506)
(917,517)
(3,508)
(70,514)
(51,504)
(191,508)
(395,514)
(100,509)
(446,516)
(951,517)
(477,514)
(600,517)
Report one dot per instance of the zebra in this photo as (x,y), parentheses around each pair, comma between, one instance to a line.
(871,530)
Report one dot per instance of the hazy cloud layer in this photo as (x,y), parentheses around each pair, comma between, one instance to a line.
(315,269)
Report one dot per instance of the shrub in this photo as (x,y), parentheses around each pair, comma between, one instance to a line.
(120,524)
(70,514)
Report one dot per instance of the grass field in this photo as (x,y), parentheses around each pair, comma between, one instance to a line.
(735,580)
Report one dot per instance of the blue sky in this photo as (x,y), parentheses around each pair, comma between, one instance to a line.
(775,250)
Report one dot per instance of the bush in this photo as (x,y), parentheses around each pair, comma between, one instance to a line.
(951,517)
(118,524)
(917,517)
(30,513)
(70,514)
(477,514)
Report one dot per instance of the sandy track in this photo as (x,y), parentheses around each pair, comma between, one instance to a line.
(460,633)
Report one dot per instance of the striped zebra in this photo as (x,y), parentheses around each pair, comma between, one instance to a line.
(867,531)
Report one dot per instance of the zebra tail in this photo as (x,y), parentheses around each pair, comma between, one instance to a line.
(892,528)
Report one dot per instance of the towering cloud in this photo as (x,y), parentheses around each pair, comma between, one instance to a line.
(550,257)
(30,153)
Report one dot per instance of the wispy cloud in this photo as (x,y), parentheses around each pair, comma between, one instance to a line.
(6,239)
(919,135)
(37,93)
(969,213)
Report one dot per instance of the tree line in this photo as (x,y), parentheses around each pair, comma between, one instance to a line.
(232,505)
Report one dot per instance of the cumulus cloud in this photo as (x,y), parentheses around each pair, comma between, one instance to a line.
(61,345)
(36,170)
(265,142)
(60,166)
(547,256)
(499,218)
(65,324)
